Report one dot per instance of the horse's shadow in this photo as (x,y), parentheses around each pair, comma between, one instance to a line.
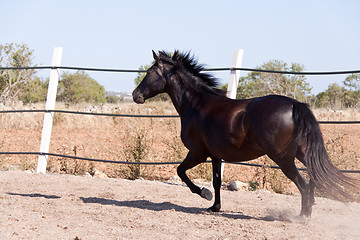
(164,206)
(34,195)
(152,206)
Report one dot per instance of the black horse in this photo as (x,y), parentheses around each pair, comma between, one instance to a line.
(215,126)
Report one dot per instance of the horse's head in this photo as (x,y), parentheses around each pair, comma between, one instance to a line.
(156,78)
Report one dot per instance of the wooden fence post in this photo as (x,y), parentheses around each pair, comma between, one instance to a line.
(50,105)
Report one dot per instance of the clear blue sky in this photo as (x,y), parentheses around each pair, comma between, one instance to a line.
(322,35)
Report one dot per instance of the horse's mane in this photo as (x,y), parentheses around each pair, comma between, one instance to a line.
(187,65)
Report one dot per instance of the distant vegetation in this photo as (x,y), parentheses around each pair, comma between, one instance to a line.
(14,82)
(338,97)
(80,87)
(335,97)
(257,84)
(25,86)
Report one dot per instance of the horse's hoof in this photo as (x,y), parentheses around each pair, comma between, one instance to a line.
(300,219)
(214,209)
(206,193)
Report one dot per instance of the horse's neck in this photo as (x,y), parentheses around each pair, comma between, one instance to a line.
(182,96)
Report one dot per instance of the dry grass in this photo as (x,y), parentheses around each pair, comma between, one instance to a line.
(352,114)
(112,137)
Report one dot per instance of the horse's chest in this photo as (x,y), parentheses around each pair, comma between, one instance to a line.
(190,136)
(201,134)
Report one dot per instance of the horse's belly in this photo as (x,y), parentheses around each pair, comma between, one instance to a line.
(240,156)
(233,153)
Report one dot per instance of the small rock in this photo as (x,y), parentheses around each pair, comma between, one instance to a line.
(175,179)
(87,175)
(99,174)
(237,185)
(13,168)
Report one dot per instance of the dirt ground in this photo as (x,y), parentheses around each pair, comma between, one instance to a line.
(61,206)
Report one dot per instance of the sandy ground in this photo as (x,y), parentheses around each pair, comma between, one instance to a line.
(53,206)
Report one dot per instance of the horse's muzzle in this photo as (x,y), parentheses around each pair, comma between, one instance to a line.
(138,97)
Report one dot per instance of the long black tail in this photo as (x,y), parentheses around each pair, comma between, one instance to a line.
(326,177)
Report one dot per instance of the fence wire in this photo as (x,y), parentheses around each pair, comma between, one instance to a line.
(150,163)
(135,115)
(206,69)
(91,113)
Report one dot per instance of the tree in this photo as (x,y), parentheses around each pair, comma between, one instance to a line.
(257,84)
(337,97)
(80,87)
(332,97)
(112,99)
(12,81)
(352,82)
(352,94)
(34,91)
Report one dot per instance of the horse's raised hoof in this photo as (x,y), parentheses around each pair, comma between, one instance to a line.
(206,193)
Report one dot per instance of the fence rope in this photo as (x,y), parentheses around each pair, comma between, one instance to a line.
(92,113)
(135,115)
(206,69)
(88,159)
(150,163)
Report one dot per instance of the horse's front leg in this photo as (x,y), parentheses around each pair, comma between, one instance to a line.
(216,165)
(189,162)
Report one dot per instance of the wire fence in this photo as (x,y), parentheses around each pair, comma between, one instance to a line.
(157,116)
(206,69)
(140,116)
(135,115)
(92,113)
(150,163)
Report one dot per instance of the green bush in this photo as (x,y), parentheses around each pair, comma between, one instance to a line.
(80,87)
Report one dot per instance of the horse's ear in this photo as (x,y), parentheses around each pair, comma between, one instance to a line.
(156,58)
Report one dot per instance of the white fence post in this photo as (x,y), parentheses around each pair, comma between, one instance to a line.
(50,105)
(235,74)
(233,81)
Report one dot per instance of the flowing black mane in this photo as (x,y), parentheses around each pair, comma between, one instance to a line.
(188,66)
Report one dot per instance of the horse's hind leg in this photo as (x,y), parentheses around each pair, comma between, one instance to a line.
(305,187)
(311,187)
(189,162)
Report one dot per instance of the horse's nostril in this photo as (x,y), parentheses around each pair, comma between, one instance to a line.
(138,97)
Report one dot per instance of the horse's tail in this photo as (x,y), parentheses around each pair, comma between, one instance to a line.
(326,177)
